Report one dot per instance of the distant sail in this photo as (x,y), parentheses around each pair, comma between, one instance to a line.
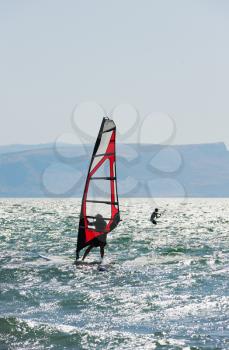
(100,192)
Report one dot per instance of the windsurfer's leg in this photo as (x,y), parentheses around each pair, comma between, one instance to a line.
(102,251)
(77,257)
(87,251)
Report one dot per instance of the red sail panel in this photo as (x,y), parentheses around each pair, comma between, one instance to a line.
(100,193)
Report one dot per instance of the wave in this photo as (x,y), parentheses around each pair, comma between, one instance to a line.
(29,335)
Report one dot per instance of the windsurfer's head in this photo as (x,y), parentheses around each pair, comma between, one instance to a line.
(98,216)
(156,209)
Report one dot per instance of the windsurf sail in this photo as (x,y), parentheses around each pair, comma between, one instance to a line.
(100,195)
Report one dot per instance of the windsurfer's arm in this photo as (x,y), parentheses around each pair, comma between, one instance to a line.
(160,214)
(90,223)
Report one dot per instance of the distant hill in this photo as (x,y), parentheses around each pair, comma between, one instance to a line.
(143,171)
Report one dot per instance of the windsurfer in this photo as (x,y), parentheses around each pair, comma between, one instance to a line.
(100,241)
(93,234)
(154,216)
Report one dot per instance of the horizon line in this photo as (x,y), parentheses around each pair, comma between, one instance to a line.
(121,143)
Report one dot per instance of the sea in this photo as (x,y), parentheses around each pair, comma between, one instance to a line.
(165,286)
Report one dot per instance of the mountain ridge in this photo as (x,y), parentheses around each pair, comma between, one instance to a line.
(146,170)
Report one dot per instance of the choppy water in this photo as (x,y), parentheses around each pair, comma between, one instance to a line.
(168,288)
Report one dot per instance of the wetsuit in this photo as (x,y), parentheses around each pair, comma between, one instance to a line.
(100,226)
(154,216)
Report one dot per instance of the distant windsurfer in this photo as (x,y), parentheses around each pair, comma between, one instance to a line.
(100,241)
(154,216)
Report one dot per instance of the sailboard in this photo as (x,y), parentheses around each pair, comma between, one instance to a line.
(100,196)
(55,259)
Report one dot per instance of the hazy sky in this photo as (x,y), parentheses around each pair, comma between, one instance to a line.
(164,56)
